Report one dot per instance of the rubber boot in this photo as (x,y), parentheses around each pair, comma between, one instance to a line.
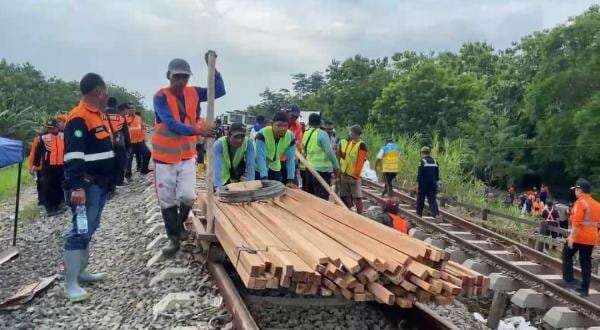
(173,228)
(184,211)
(84,275)
(73,291)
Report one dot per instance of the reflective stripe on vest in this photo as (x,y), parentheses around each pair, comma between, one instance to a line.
(351,157)
(390,162)
(168,146)
(315,155)
(275,150)
(228,166)
(55,148)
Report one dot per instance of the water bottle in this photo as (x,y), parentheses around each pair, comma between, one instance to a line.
(81,218)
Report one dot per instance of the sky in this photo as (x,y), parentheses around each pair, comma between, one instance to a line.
(259,43)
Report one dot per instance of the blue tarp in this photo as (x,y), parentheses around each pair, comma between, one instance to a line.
(11,152)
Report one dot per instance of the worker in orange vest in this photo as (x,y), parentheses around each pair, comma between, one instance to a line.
(34,170)
(137,137)
(178,124)
(390,217)
(585,218)
(115,121)
(49,158)
(353,154)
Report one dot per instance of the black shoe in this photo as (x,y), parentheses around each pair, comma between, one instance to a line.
(171,248)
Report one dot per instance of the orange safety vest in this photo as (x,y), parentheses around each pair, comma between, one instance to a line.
(55,148)
(34,145)
(585,217)
(136,129)
(114,121)
(399,223)
(168,146)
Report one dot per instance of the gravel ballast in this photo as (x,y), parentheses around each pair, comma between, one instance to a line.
(125,300)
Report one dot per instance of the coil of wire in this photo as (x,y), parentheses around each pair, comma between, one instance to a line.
(270,189)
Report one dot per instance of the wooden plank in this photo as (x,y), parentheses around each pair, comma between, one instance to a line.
(373,229)
(381,293)
(285,230)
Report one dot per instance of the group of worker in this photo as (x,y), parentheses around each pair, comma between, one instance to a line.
(46,156)
(92,161)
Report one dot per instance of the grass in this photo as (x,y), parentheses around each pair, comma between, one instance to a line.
(8,180)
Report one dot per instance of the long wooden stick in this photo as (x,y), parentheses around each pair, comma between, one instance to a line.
(312,171)
(210,116)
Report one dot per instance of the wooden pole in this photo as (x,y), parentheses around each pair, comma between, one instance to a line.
(210,116)
(312,171)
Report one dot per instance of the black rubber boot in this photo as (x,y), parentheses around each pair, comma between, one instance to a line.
(172,226)
(184,211)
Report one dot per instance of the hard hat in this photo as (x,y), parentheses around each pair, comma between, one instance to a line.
(179,66)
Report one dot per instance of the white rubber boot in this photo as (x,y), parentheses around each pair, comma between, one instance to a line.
(73,291)
(84,275)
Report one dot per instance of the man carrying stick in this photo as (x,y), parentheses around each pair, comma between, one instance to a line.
(177,112)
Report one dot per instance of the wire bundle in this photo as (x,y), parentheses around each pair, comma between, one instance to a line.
(270,189)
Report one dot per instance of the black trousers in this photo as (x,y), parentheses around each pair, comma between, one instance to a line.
(311,185)
(388,181)
(142,156)
(52,186)
(39,185)
(585,260)
(121,160)
(430,194)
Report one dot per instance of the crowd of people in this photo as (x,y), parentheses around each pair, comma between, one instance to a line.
(80,158)
(46,156)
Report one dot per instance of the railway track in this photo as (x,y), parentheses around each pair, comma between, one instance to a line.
(530,268)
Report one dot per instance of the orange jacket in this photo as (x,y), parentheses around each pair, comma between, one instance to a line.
(585,217)
(167,146)
(50,150)
(399,223)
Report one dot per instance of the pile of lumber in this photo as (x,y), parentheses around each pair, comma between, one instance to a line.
(474,284)
(312,246)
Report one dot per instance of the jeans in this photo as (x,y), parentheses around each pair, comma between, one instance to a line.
(430,194)
(95,198)
(585,259)
(272,175)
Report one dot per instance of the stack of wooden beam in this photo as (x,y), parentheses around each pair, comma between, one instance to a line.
(474,284)
(312,246)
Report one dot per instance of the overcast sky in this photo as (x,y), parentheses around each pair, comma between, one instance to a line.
(259,43)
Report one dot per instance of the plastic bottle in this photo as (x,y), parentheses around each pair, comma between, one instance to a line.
(81,218)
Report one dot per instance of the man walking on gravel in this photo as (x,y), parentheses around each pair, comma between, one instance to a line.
(427,179)
(89,169)
(585,218)
(49,158)
(176,130)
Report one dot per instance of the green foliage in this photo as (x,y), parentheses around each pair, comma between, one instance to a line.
(531,110)
(28,99)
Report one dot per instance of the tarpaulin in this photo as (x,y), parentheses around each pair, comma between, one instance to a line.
(11,152)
